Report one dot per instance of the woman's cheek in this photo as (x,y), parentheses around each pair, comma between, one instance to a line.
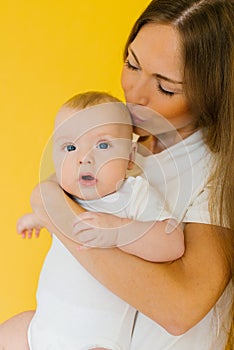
(127,81)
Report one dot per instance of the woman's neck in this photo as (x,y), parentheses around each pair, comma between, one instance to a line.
(155,144)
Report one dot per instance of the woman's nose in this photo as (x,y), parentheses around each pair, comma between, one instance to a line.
(138,94)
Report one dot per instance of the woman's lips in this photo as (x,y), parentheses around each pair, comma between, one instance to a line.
(138,113)
(137,120)
(87,179)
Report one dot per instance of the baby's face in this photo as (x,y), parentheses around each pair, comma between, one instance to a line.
(92,149)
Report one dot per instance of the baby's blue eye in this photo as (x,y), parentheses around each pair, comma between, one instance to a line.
(70,148)
(103,145)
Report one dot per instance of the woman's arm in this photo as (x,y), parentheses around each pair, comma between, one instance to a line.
(176,295)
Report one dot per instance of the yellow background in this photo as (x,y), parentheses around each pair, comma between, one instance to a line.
(50,50)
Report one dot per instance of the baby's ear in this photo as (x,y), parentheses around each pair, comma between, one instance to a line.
(132,156)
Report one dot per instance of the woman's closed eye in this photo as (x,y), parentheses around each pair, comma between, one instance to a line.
(160,88)
(131,66)
(164,91)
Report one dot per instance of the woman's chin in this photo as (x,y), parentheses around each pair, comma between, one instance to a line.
(140,132)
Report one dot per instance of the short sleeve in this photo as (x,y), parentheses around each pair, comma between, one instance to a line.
(198,210)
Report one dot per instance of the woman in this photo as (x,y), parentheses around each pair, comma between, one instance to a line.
(179,63)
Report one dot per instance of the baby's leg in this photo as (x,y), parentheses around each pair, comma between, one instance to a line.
(13,332)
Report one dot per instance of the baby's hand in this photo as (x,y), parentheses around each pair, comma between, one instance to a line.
(99,230)
(28,224)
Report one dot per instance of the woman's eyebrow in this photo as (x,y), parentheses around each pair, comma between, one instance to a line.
(160,76)
(156,75)
(134,55)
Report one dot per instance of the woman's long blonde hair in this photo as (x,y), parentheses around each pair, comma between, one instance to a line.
(206,32)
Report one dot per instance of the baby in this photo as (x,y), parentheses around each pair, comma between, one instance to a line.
(92,151)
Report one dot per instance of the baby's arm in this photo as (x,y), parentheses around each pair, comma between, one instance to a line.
(27,224)
(163,241)
(156,241)
(147,240)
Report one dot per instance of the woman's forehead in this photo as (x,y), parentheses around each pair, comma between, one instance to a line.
(158,50)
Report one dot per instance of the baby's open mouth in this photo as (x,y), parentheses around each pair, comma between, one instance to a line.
(87,179)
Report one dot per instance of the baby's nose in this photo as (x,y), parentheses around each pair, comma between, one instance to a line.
(85,162)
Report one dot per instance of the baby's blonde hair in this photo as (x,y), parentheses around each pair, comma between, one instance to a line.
(88,99)
(92,98)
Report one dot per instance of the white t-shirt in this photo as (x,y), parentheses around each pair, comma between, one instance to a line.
(180,174)
(74,311)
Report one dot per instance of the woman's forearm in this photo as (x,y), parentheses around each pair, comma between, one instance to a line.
(176,295)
